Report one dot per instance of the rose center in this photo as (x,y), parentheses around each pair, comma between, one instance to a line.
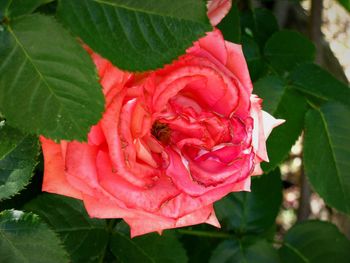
(161,132)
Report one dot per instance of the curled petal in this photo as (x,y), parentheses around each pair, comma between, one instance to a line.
(263,125)
(259,139)
(217,10)
(205,44)
(270,123)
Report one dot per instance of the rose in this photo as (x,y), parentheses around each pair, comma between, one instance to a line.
(171,142)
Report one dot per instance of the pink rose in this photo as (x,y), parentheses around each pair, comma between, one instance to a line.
(171,142)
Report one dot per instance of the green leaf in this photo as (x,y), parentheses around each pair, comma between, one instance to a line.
(245,250)
(315,242)
(314,80)
(253,57)
(255,211)
(18,154)
(3,8)
(345,4)
(199,247)
(259,24)
(149,248)
(48,83)
(271,89)
(230,25)
(285,103)
(84,238)
(136,35)
(24,238)
(15,8)
(287,49)
(327,154)
(265,25)
(292,108)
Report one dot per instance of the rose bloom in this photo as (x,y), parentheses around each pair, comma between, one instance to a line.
(170,143)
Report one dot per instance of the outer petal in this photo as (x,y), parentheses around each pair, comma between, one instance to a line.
(112,79)
(103,207)
(185,204)
(237,64)
(259,139)
(257,169)
(81,168)
(211,40)
(140,226)
(270,123)
(263,125)
(217,10)
(142,222)
(55,180)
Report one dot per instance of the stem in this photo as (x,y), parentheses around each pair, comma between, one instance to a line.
(315,27)
(200,233)
(281,9)
(250,4)
(305,196)
(315,33)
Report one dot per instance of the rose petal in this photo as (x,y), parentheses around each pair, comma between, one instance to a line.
(217,10)
(81,167)
(148,199)
(55,180)
(219,96)
(96,136)
(263,125)
(259,139)
(103,207)
(270,123)
(180,171)
(214,38)
(110,125)
(184,204)
(257,170)
(237,64)
(140,226)
(112,79)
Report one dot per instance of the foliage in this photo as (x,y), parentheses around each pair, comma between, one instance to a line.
(49,86)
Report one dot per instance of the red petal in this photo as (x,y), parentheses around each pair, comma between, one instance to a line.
(140,226)
(55,180)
